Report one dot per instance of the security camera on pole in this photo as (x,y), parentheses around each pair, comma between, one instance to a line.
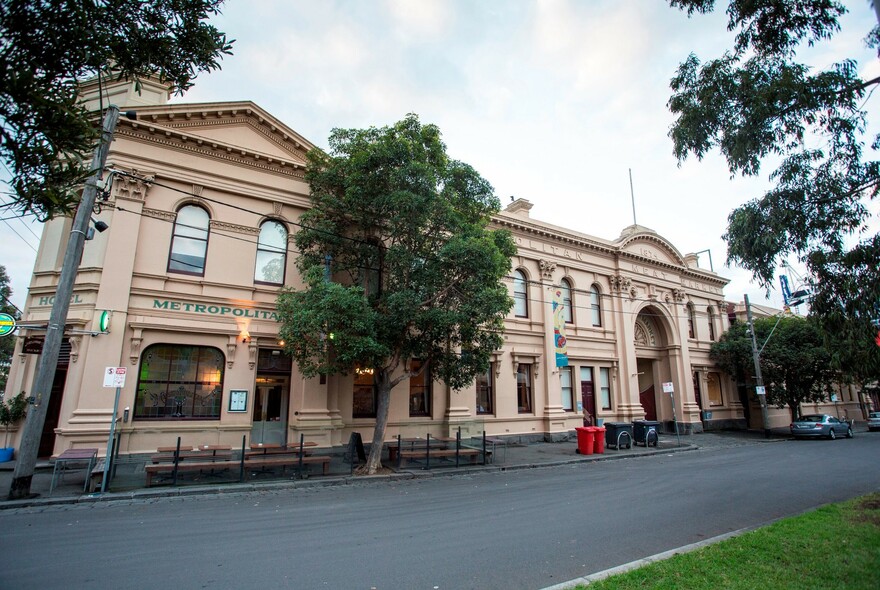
(42,388)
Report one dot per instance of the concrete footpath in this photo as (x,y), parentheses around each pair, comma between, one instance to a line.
(129,481)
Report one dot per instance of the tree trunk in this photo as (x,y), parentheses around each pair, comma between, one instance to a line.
(374,460)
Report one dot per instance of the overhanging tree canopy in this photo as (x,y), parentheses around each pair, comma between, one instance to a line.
(48,46)
(756,101)
(398,263)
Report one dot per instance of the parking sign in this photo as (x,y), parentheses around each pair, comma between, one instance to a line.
(114,377)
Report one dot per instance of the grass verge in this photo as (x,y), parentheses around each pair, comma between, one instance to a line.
(836,546)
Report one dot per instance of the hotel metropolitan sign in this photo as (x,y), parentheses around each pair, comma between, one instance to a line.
(215,310)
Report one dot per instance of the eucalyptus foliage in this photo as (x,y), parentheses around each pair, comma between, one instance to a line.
(756,101)
(48,46)
(795,362)
(398,263)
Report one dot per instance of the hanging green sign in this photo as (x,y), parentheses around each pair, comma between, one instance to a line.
(7,324)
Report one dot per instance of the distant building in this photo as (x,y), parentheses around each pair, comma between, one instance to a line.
(201,214)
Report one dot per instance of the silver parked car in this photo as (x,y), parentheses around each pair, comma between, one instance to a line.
(873,421)
(818,425)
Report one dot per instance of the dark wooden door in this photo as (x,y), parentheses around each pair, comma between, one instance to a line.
(53,412)
(646,397)
(588,399)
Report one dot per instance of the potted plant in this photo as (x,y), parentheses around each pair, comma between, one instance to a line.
(11,411)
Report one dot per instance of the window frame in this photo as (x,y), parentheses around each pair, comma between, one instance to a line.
(175,235)
(520,298)
(263,248)
(692,323)
(716,377)
(524,389)
(595,306)
(711,317)
(174,363)
(605,389)
(489,391)
(572,405)
(361,389)
(417,390)
(565,286)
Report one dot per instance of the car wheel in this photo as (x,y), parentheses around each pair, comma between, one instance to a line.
(831,434)
(849,432)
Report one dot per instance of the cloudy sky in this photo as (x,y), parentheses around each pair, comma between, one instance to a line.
(554,101)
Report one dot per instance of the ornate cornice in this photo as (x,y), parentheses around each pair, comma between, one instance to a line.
(209,148)
(239,229)
(163,215)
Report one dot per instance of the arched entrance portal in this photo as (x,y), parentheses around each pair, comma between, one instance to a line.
(653,363)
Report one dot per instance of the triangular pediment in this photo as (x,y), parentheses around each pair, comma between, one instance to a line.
(238,126)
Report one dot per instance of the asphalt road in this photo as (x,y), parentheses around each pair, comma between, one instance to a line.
(508,530)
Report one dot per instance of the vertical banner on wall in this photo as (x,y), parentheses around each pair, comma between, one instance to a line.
(559,329)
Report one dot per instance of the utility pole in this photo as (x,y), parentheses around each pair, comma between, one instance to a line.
(759,381)
(42,389)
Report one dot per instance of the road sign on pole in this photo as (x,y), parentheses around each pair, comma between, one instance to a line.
(114,377)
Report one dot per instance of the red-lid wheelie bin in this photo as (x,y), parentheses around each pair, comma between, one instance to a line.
(585,439)
(599,439)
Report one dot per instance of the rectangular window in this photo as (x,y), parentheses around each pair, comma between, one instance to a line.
(486,391)
(419,390)
(595,307)
(364,398)
(713,389)
(524,388)
(567,390)
(605,388)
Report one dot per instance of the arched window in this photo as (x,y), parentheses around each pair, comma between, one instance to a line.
(691,321)
(711,315)
(520,295)
(189,243)
(595,306)
(271,253)
(567,302)
(178,382)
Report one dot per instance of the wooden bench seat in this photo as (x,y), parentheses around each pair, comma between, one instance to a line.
(156,468)
(423,454)
(268,462)
(193,455)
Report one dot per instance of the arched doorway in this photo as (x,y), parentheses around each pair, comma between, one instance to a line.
(651,335)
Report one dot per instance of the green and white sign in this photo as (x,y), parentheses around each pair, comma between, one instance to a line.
(7,324)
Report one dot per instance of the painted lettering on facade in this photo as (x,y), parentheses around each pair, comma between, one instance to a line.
(549,249)
(221,310)
(700,287)
(50,300)
(648,271)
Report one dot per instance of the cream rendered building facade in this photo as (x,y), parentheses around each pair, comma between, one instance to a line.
(201,214)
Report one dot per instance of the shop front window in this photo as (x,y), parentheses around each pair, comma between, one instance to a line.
(177,382)
(524,388)
(486,391)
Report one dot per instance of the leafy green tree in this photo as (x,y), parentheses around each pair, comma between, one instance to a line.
(7,343)
(795,363)
(402,229)
(48,46)
(756,101)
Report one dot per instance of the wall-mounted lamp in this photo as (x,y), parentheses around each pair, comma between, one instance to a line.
(281,343)
(245,337)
